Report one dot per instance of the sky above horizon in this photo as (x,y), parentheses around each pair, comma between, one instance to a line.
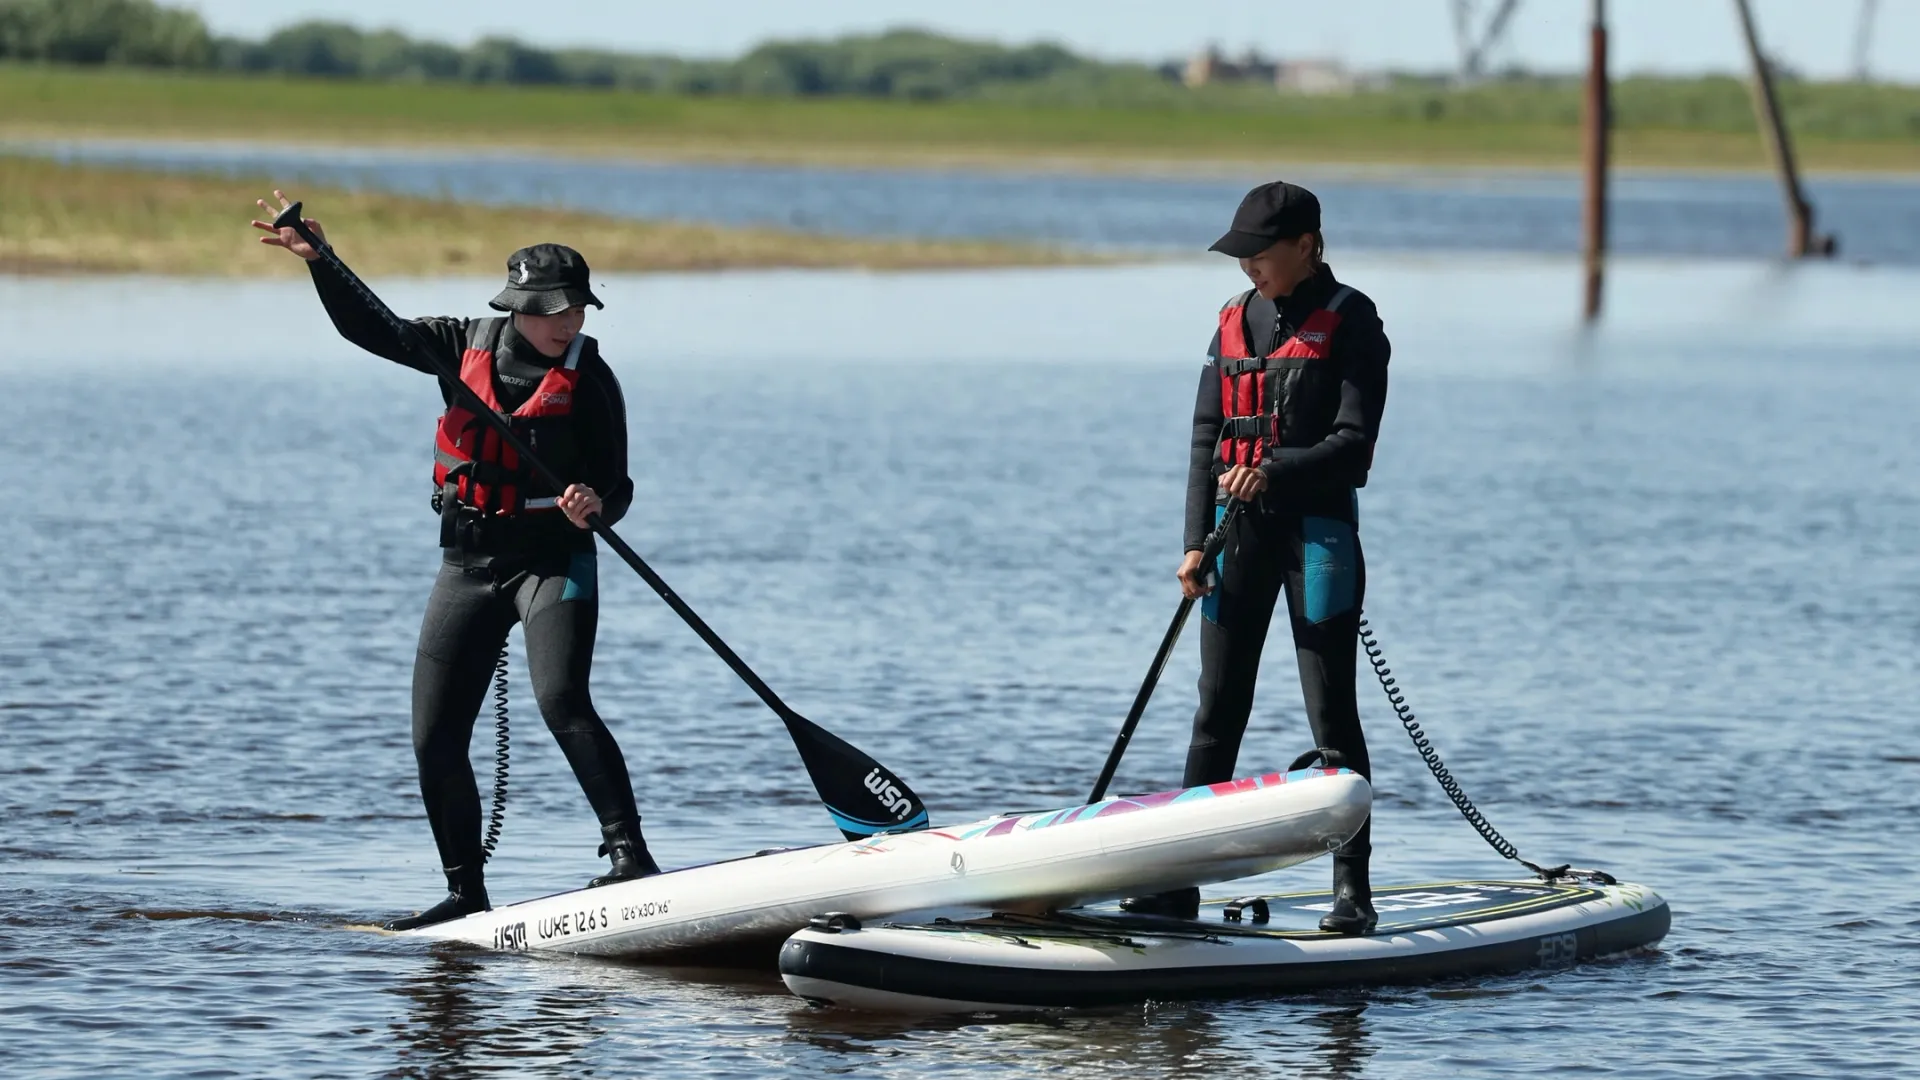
(1666,36)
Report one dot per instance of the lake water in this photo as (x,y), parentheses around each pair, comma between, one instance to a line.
(1398,209)
(1653,588)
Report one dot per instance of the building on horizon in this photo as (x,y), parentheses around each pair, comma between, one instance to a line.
(1314,75)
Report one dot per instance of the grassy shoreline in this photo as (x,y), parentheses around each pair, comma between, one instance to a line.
(58,218)
(49,102)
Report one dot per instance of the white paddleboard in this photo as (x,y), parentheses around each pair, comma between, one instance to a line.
(1033,862)
(1102,956)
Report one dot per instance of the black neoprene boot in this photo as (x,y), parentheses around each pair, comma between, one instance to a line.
(1352,912)
(466,895)
(629,852)
(1177,904)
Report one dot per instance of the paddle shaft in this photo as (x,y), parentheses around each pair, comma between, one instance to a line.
(1208,552)
(410,337)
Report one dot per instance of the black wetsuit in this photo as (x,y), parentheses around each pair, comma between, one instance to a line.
(1299,539)
(540,572)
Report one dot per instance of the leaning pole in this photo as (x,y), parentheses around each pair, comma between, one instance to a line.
(1801,239)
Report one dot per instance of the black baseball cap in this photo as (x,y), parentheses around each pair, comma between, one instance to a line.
(545,279)
(1269,214)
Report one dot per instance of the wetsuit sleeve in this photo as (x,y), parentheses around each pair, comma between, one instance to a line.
(1342,457)
(604,445)
(359,323)
(1201,485)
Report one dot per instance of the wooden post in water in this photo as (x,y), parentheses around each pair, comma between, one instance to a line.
(1598,120)
(1801,239)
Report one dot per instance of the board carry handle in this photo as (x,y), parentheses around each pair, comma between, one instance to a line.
(834,922)
(1328,758)
(1257,905)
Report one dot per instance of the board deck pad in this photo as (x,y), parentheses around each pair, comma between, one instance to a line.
(1402,909)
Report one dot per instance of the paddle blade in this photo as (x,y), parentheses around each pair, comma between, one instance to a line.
(863,796)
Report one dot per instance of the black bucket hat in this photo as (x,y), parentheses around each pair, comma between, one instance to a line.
(545,279)
(1269,214)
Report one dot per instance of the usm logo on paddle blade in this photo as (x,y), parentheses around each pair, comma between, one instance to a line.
(890,795)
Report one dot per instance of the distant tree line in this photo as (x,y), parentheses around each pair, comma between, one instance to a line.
(104,32)
(911,65)
(900,63)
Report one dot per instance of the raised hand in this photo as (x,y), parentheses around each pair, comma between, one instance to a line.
(287,237)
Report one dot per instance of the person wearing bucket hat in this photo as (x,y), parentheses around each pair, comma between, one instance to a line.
(545,279)
(1286,417)
(514,551)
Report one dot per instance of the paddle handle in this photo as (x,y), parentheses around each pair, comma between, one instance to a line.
(1210,550)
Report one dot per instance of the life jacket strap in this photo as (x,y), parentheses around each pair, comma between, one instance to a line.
(450,497)
(489,474)
(1247,427)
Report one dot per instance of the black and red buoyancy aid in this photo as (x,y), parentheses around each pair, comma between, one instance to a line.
(473,466)
(1286,398)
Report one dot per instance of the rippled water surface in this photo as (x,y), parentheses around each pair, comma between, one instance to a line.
(1654,589)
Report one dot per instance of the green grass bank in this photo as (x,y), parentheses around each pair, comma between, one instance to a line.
(1661,123)
(75,219)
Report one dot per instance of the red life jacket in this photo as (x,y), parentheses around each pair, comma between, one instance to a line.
(1285,398)
(473,466)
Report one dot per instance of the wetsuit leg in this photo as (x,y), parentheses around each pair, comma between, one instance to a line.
(1230,645)
(561,613)
(1326,584)
(460,638)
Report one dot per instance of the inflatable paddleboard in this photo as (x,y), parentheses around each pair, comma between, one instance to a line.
(1247,947)
(1032,862)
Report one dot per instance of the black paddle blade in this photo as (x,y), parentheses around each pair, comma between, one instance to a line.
(863,796)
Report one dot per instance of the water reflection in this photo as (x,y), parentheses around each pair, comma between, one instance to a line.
(1343,1041)
(1331,1040)
(460,1023)
(471,1014)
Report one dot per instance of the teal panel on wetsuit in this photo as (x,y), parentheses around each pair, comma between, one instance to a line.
(1330,566)
(582,577)
(1210,604)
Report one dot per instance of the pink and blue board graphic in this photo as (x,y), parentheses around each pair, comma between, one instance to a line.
(1127,804)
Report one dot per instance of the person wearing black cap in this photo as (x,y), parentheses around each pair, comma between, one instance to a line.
(514,550)
(1288,410)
